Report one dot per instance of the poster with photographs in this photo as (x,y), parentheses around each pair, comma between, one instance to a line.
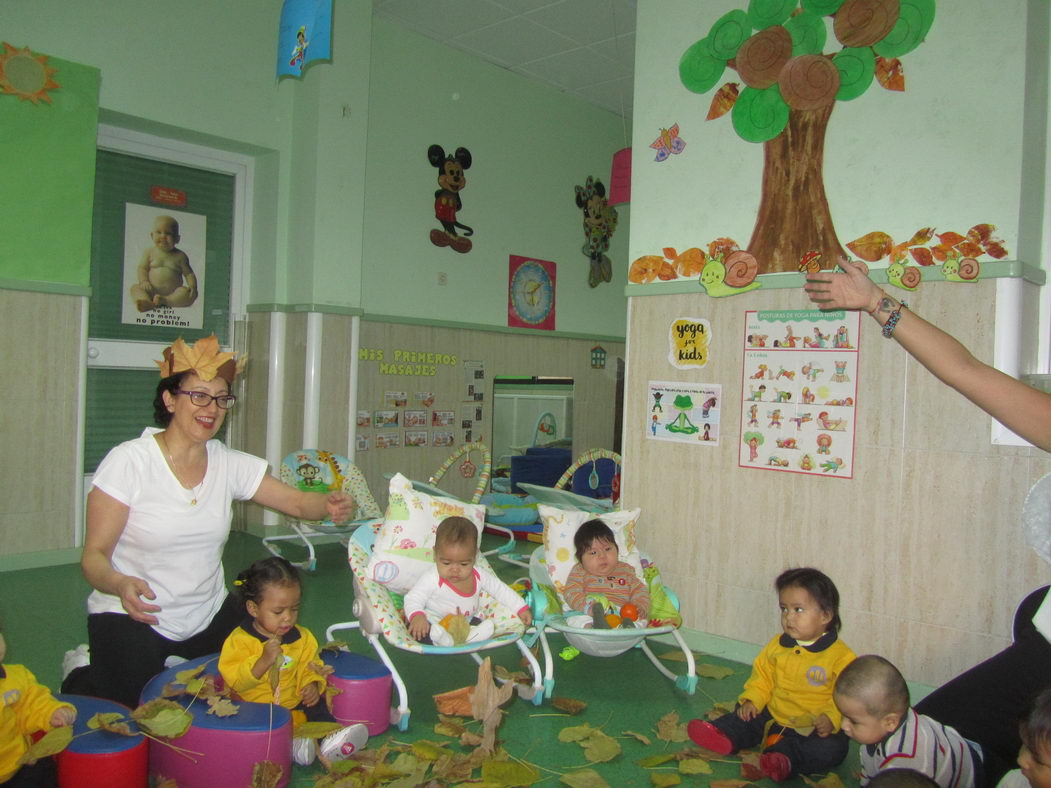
(164,267)
(416,438)
(799,391)
(361,443)
(414,418)
(442,438)
(423,399)
(395,399)
(443,418)
(364,418)
(385,419)
(388,440)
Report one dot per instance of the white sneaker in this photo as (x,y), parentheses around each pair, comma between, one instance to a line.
(174,660)
(304,750)
(76,658)
(341,744)
(482,631)
(440,636)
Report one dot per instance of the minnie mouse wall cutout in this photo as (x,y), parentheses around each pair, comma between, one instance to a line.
(447,199)
(600,220)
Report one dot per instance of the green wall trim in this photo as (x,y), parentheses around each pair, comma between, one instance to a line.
(420,321)
(1007,269)
(325,309)
(51,288)
(423,321)
(41,558)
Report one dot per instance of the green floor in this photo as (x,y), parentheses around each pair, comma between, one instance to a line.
(42,615)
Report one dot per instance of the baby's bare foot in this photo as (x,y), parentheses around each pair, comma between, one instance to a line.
(144,304)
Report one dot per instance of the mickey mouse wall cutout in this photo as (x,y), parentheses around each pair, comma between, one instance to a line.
(447,199)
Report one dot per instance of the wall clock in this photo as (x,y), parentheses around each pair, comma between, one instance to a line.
(531,293)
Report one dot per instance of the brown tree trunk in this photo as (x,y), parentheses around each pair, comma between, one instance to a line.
(793,212)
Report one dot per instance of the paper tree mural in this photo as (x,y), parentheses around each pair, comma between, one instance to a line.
(790,89)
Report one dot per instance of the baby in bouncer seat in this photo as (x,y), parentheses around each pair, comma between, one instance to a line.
(600,583)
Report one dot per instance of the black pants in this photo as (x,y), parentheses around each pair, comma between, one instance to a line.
(41,774)
(986,703)
(811,754)
(126,654)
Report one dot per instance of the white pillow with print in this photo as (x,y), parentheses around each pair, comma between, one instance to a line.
(404,546)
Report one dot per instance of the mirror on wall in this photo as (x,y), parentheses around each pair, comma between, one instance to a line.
(529,414)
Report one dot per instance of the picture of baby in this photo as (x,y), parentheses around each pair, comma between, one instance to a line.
(165,277)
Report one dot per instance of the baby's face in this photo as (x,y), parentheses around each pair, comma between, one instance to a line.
(455,562)
(164,235)
(600,557)
(1036,766)
(860,724)
(801,616)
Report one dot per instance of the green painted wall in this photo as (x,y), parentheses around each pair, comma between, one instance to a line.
(530,145)
(47,157)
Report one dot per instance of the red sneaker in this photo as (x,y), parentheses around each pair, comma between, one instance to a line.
(706,735)
(776,766)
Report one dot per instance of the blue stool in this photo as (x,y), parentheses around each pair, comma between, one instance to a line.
(230,746)
(365,686)
(101,758)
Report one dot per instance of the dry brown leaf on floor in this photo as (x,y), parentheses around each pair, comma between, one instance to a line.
(719,709)
(222,707)
(428,750)
(644,739)
(695,766)
(678,656)
(450,726)
(455,702)
(455,768)
(751,772)
(670,729)
(709,671)
(469,739)
(656,760)
(599,747)
(508,773)
(664,779)
(828,781)
(584,778)
(569,705)
(113,721)
(728,784)
(504,674)
(486,701)
(51,743)
(266,774)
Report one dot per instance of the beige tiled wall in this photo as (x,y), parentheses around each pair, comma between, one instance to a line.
(501,354)
(40,347)
(924,542)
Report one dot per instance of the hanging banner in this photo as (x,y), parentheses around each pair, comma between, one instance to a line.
(305,35)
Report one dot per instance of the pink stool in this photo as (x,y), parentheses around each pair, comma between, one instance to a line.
(101,758)
(230,746)
(366,687)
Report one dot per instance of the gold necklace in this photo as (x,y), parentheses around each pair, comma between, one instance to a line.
(194,491)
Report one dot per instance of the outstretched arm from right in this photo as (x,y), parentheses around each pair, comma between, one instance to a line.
(1018,406)
(106,520)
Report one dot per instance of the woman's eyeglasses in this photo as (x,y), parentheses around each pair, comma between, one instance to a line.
(202,399)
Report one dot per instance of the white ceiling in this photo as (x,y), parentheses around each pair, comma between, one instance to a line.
(582,47)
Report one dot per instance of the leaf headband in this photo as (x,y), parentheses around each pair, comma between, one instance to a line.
(203,358)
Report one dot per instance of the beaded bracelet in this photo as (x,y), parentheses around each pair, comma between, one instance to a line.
(892,321)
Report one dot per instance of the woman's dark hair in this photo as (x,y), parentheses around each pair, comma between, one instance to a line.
(252,582)
(818,585)
(902,778)
(588,533)
(161,415)
(1035,729)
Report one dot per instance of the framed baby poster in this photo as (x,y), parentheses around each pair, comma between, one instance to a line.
(164,267)
(799,391)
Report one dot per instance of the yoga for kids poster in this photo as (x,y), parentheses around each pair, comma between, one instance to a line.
(799,391)
(684,412)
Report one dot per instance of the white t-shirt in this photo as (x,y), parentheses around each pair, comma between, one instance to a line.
(174,545)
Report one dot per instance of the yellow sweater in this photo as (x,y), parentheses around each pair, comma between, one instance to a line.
(796,681)
(242,650)
(25,708)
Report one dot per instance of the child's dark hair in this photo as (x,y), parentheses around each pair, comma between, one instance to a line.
(171,384)
(455,530)
(590,532)
(875,682)
(1035,729)
(818,585)
(902,778)
(252,582)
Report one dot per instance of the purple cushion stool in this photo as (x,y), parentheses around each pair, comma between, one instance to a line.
(365,686)
(230,746)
